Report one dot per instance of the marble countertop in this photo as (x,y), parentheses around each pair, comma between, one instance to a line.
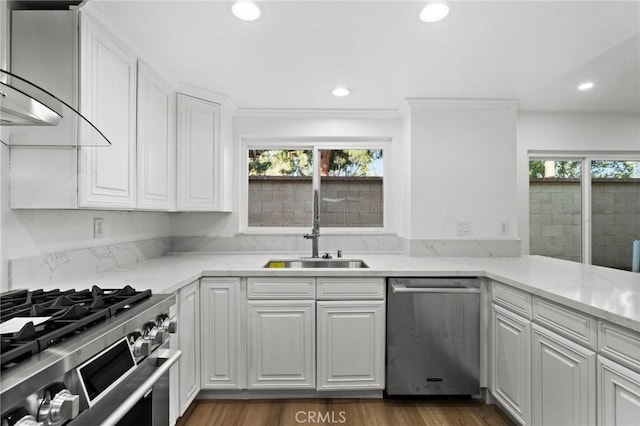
(602,292)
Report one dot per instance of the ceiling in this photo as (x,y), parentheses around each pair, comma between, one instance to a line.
(534,51)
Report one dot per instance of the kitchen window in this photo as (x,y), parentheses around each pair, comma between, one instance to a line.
(281,180)
(585,209)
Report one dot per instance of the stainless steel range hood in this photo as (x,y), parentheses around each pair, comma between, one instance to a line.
(26,105)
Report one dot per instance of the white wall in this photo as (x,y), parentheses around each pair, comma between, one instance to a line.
(268,124)
(4,151)
(462,168)
(32,232)
(586,133)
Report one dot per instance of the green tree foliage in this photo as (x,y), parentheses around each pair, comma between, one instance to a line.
(280,163)
(613,169)
(599,169)
(353,162)
(563,169)
(536,169)
(345,162)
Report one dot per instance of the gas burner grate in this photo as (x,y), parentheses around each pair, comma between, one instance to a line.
(71,312)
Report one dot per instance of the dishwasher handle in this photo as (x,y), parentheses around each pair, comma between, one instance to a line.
(401,288)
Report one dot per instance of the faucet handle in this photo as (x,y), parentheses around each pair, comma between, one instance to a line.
(326,256)
(339,253)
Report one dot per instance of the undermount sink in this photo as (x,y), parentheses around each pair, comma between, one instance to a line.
(316,263)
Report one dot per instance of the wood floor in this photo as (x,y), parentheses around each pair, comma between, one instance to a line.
(348,412)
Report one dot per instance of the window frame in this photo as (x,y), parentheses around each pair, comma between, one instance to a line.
(586,157)
(316,144)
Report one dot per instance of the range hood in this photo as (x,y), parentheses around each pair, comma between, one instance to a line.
(25,109)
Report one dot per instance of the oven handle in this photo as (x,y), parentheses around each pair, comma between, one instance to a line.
(170,356)
(401,288)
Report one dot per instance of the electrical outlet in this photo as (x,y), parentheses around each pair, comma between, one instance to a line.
(504,227)
(463,228)
(98,227)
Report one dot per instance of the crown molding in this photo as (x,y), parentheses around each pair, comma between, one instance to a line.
(455,103)
(318,113)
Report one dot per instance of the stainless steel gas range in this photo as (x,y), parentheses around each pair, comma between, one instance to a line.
(89,357)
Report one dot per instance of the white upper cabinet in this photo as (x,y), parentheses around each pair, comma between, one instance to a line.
(156,143)
(79,59)
(199,163)
(107,176)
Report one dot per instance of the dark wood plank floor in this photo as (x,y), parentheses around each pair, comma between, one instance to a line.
(349,412)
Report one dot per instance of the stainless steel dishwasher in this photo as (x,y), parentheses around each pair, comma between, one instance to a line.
(433,336)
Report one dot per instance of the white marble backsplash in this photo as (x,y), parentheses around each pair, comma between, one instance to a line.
(463,247)
(47,269)
(329,243)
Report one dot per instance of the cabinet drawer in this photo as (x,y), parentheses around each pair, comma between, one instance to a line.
(281,288)
(350,288)
(620,344)
(574,325)
(516,300)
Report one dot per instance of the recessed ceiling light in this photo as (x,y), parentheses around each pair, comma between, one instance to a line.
(587,85)
(340,91)
(435,11)
(246,10)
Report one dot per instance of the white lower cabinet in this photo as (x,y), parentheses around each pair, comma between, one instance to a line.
(618,394)
(564,381)
(189,340)
(221,333)
(511,363)
(350,345)
(282,344)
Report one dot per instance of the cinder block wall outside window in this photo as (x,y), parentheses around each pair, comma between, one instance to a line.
(555,214)
(287,201)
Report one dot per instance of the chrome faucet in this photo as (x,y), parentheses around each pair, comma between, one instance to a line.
(315,233)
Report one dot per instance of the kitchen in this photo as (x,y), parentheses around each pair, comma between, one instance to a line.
(514,87)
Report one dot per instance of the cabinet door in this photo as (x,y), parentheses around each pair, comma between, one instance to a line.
(189,338)
(511,365)
(108,98)
(618,394)
(198,154)
(351,337)
(563,379)
(155,142)
(282,344)
(221,360)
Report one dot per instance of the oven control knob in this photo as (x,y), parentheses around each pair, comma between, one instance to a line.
(156,335)
(170,325)
(141,347)
(64,406)
(133,337)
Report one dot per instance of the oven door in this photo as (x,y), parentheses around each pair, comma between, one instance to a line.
(141,399)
